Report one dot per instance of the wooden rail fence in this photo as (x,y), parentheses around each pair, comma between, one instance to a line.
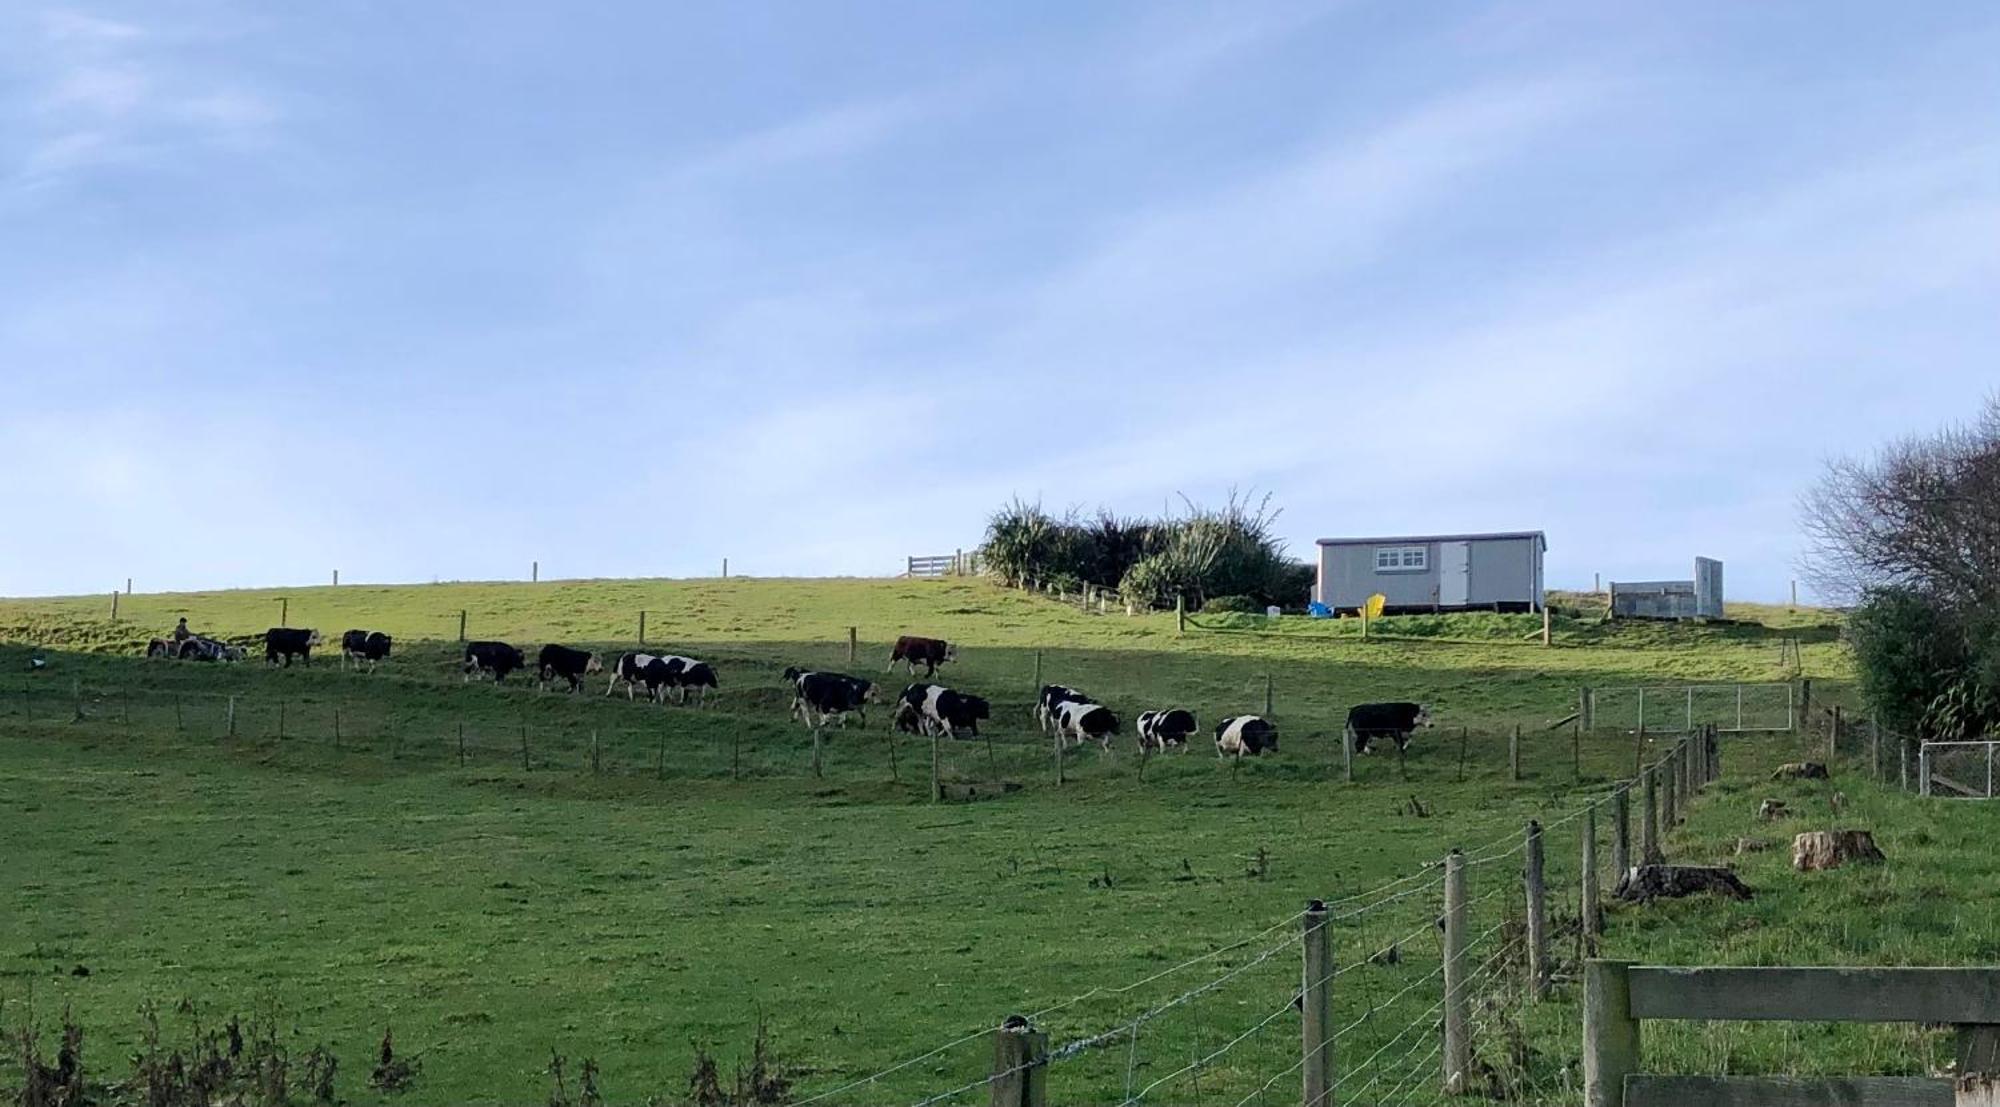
(1620,995)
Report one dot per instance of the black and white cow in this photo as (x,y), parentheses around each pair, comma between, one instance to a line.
(1161,730)
(907,718)
(1052,697)
(943,711)
(1239,735)
(289,642)
(1076,721)
(631,670)
(828,695)
(932,652)
(357,646)
(497,658)
(200,648)
(1385,720)
(566,663)
(686,677)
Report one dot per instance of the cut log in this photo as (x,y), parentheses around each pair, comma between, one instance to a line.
(1800,770)
(1645,883)
(1772,810)
(1830,849)
(1752,845)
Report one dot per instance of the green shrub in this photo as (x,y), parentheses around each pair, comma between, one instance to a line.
(1240,605)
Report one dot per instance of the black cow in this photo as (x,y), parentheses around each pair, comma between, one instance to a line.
(685,673)
(1054,696)
(1385,720)
(571,665)
(828,694)
(497,658)
(942,710)
(1245,734)
(1076,721)
(631,669)
(357,646)
(932,652)
(287,642)
(1160,730)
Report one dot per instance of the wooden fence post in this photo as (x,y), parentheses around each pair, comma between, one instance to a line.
(1610,1033)
(1903,763)
(1669,796)
(336,578)
(336,728)
(1546,639)
(1038,674)
(1593,918)
(232,716)
(895,773)
(281,720)
(1621,831)
(1180,614)
(534,572)
(1347,755)
(1020,1065)
(1649,820)
(1316,1008)
(937,779)
(178,728)
(1534,878)
(461,624)
(1457,1008)
(1514,752)
(596,754)
(76,698)
(1583,706)
(853,644)
(284,611)
(642,626)
(1059,758)
(1875,745)
(114,607)
(816,753)
(1576,750)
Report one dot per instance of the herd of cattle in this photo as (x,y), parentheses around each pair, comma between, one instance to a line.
(1066,714)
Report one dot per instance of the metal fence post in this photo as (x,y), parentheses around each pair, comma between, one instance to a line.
(1534,879)
(1610,1033)
(1924,769)
(1316,1008)
(1457,1011)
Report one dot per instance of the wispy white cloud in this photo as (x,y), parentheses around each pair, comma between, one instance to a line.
(100,92)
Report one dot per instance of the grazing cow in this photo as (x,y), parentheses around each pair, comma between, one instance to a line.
(357,646)
(287,642)
(1054,696)
(571,665)
(945,711)
(1076,721)
(630,670)
(932,652)
(828,694)
(1160,730)
(683,674)
(1245,734)
(1385,720)
(497,658)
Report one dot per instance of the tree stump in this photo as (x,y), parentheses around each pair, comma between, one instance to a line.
(1772,810)
(1816,850)
(1646,883)
(1800,770)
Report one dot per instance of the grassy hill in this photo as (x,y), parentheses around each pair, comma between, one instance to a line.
(707,877)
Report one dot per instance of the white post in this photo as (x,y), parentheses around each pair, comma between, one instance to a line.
(1924,769)
(1739,707)
(1690,714)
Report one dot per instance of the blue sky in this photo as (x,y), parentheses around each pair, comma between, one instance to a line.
(431,290)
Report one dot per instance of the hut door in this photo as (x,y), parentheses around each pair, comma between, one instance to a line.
(1454,574)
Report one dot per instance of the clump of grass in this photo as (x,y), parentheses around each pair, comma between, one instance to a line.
(763,1083)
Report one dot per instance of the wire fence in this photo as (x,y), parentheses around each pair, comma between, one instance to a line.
(1460,979)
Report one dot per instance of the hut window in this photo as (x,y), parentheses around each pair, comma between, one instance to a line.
(1401,559)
